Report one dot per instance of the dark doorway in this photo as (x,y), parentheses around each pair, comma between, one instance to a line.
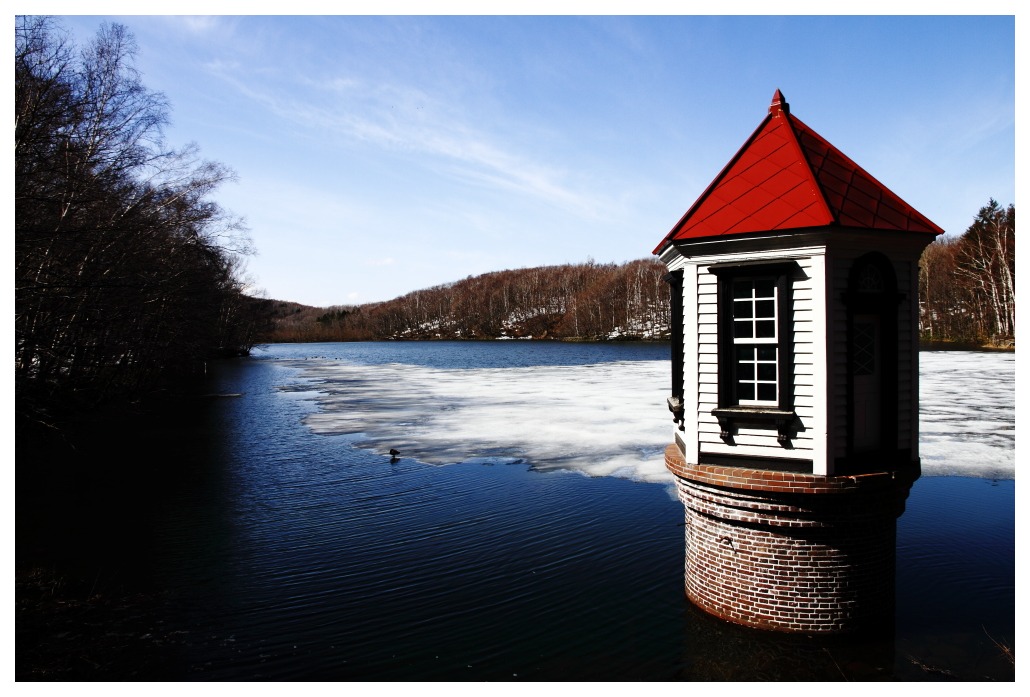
(872,319)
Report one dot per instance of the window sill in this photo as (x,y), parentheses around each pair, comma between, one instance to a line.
(732,417)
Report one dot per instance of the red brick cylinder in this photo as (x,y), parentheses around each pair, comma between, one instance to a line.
(790,552)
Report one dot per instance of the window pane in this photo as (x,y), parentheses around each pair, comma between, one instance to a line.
(766,391)
(765,308)
(742,289)
(743,330)
(766,353)
(765,329)
(742,309)
(745,353)
(766,371)
(764,288)
(746,371)
(745,390)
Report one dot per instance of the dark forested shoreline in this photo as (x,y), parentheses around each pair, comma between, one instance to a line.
(127,272)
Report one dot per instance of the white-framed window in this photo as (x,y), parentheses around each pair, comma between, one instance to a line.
(755,336)
(755,319)
(756,342)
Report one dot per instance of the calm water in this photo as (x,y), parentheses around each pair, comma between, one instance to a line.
(284,544)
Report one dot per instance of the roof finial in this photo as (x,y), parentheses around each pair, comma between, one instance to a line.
(779,104)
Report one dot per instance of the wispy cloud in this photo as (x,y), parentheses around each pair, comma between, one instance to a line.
(200,25)
(405,119)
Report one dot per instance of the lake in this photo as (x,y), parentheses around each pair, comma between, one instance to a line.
(527,530)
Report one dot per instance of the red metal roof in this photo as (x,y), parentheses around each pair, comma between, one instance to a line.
(788,177)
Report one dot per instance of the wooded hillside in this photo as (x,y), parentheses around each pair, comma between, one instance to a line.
(571,301)
(967,284)
(966,296)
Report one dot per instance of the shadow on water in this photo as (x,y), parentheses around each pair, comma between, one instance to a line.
(89,505)
(224,541)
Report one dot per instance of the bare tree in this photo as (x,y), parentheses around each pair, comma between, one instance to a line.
(967,284)
(126,271)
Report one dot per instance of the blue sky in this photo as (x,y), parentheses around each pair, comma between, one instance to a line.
(379,155)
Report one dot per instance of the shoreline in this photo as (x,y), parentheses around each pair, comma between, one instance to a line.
(923,345)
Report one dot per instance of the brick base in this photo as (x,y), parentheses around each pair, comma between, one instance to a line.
(790,552)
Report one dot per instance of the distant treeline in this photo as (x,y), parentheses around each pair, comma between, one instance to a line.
(967,284)
(126,272)
(966,298)
(572,301)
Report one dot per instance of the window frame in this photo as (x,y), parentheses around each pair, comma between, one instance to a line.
(761,317)
(732,411)
(675,400)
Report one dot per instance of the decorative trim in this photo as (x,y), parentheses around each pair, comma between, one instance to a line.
(731,418)
(680,445)
(771,464)
(753,479)
(764,267)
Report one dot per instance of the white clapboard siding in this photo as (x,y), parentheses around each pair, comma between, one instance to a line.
(808,318)
(707,365)
(707,354)
(691,339)
(750,441)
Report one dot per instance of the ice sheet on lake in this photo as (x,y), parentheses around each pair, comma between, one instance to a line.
(610,419)
(603,419)
(967,413)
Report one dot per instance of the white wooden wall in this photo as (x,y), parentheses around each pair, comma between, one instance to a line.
(820,344)
(808,315)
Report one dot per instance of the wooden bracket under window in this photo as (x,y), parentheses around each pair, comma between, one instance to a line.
(676,407)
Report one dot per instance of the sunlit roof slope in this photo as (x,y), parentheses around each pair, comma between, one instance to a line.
(788,177)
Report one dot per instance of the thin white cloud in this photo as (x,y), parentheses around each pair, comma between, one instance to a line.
(406,119)
(201,26)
